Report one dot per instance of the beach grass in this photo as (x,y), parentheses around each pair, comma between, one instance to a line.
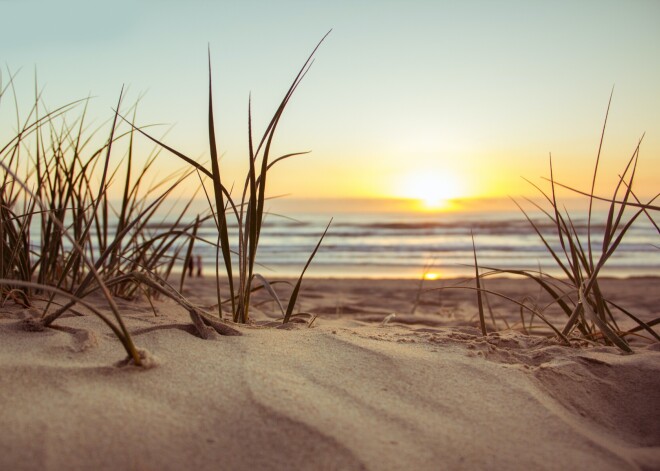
(55,189)
(238,251)
(55,192)
(577,292)
(63,237)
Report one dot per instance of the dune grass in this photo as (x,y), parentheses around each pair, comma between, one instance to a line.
(238,252)
(62,237)
(580,260)
(54,191)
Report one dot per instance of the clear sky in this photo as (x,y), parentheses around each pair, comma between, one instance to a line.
(467,96)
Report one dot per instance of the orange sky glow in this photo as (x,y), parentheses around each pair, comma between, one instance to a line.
(436,105)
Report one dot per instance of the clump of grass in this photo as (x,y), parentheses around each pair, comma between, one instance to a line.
(54,192)
(55,182)
(247,209)
(60,170)
(579,294)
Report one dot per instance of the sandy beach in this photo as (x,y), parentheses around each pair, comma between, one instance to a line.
(424,390)
(428,234)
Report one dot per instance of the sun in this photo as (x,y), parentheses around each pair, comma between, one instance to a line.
(434,191)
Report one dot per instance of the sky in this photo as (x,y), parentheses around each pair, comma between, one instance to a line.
(406,99)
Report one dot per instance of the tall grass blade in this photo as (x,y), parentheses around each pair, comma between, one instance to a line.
(593,181)
(480,303)
(218,193)
(294,295)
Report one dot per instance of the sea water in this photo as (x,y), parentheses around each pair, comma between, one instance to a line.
(390,245)
(408,245)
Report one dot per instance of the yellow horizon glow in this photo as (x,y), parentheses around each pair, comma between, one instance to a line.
(433,191)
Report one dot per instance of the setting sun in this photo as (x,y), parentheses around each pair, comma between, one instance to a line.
(434,191)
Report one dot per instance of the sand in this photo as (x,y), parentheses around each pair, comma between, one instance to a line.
(425,391)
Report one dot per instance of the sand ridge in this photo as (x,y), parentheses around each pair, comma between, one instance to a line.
(346,393)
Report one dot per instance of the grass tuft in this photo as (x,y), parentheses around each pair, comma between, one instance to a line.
(57,218)
(238,251)
(590,313)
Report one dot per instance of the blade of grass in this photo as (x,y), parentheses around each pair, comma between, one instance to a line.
(294,295)
(218,193)
(480,304)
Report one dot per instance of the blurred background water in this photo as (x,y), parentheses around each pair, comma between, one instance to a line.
(392,245)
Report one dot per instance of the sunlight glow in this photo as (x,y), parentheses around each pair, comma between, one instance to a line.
(431,276)
(434,191)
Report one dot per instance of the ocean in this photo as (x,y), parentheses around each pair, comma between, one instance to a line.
(405,245)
